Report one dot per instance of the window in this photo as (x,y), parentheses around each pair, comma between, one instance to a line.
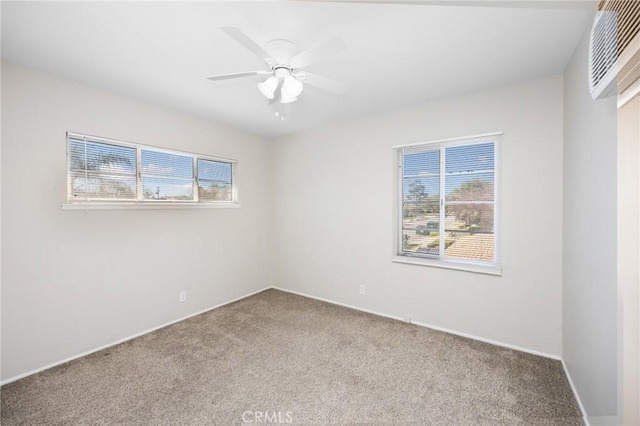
(447,204)
(103,171)
(214,180)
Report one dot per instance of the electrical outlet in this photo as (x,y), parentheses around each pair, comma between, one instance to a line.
(362,289)
(183,296)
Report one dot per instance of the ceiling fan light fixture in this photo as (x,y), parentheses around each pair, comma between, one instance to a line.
(269,86)
(287,99)
(291,87)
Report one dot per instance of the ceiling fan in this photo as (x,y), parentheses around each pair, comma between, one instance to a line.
(285,67)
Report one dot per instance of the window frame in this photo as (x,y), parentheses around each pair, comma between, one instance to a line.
(140,202)
(478,266)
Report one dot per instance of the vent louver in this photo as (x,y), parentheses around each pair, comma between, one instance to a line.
(628,21)
(616,25)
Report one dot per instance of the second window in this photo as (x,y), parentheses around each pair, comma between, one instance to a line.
(447,198)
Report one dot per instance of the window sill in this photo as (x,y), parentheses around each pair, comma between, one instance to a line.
(468,267)
(146,206)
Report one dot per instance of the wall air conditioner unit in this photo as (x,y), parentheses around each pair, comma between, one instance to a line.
(603,55)
(614,50)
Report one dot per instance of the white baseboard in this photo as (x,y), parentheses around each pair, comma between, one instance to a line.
(117,342)
(575,393)
(433,327)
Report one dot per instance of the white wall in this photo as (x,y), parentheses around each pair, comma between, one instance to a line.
(589,236)
(0,219)
(333,217)
(629,255)
(73,281)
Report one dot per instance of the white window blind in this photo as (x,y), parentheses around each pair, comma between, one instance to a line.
(102,170)
(166,176)
(447,202)
(214,180)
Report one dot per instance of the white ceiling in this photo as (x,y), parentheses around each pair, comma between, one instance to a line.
(397,54)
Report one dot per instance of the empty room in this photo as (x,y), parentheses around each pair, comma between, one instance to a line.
(320,212)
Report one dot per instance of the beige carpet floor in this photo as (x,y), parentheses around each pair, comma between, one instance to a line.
(279,357)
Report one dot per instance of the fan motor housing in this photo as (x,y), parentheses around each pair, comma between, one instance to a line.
(282,51)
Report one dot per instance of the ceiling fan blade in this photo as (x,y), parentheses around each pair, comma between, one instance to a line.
(313,55)
(249,44)
(236,75)
(323,83)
